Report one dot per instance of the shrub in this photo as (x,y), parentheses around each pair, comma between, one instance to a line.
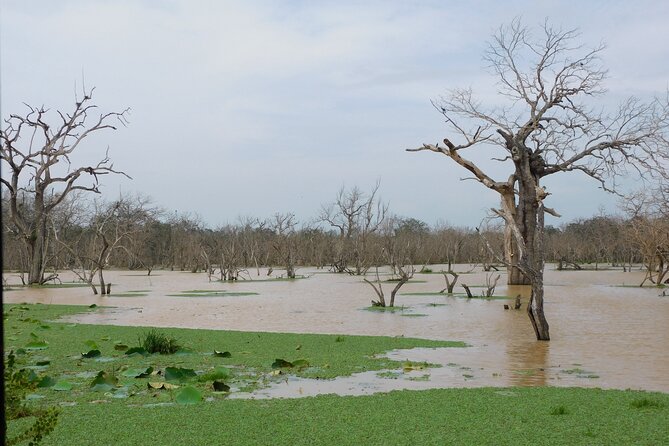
(157,342)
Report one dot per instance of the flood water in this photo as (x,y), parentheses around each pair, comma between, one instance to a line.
(603,334)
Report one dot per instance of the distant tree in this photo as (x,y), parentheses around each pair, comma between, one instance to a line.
(547,128)
(648,230)
(284,228)
(356,216)
(37,170)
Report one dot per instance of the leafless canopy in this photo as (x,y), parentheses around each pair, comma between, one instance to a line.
(36,162)
(547,80)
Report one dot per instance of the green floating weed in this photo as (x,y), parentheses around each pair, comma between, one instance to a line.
(157,342)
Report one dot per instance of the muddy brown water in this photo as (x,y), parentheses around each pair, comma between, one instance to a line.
(603,334)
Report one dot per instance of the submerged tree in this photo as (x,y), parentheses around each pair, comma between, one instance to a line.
(547,128)
(356,216)
(36,157)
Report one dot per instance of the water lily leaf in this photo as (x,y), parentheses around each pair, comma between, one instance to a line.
(222,354)
(36,345)
(189,395)
(136,351)
(105,338)
(138,373)
(91,344)
(281,363)
(62,386)
(220,386)
(45,327)
(103,382)
(42,363)
(93,306)
(120,347)
(47,381)
(161,385)
(91,354)
(178,374)
(300,363)
(102,387)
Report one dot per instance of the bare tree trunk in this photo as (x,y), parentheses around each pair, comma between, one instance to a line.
(535,310)
(450,285)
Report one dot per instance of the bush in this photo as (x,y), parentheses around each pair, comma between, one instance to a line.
(17,384)
(157,342)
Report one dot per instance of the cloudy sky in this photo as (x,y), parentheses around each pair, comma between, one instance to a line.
(256,107)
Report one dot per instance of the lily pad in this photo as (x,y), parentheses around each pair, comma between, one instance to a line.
(62,386)
(37,345)
(104,382)
(46,381)
(120,347)
(222,354)
(136,351)
(161,385)
(281,363)
(138,373)
(189,395)
(220,386)
(178,374)
(43,363)
(91,354)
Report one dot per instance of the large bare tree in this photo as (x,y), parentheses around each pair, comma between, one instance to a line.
(546,126)
(36,159)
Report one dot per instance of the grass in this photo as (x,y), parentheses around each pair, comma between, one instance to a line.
(155,341)
(522,416)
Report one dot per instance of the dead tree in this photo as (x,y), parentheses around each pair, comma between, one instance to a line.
(283,226)
(356,216)
(37,159)
(450,285)
(490,285)
(405,273)
(547,129)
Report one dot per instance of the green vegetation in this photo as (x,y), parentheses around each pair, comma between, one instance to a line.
(213,293)
(522,416)
(157,342)
(182,398)
(69,358)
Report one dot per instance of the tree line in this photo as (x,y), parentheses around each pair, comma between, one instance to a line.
(352,234)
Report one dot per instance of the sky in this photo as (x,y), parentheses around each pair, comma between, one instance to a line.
(248,108)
